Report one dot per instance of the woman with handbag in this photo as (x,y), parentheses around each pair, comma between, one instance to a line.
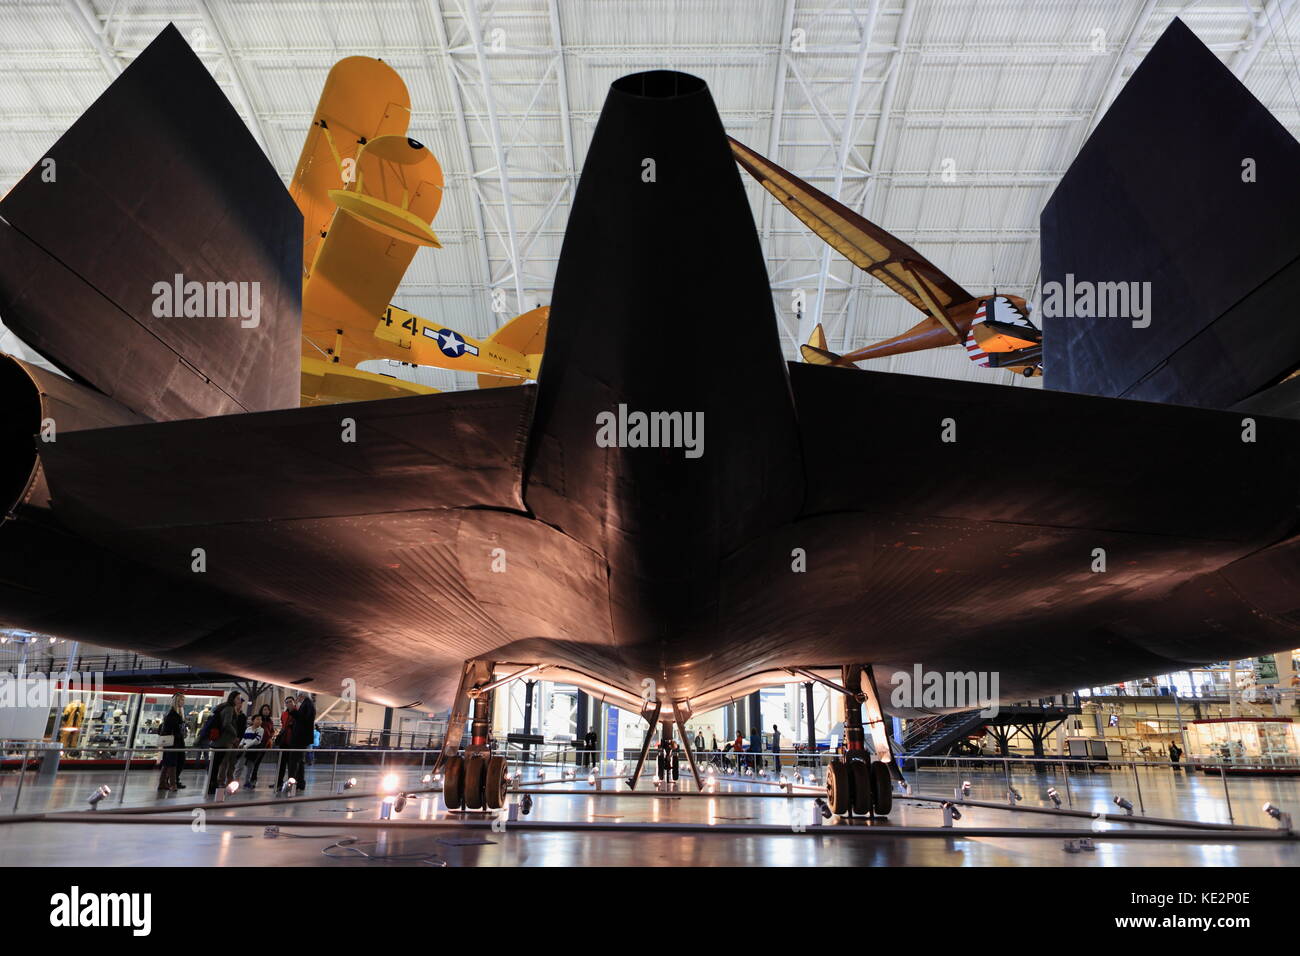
(171,737)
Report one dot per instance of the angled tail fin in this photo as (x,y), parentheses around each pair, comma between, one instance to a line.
(818,338)
(169,277)
(525,334)
(816,352)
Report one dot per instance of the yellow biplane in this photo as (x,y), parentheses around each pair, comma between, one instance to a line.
(368,195)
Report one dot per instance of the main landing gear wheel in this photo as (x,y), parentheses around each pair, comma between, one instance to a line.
(882,789)
(837,788)
(495,786)
(453,783)
(860,774)
(475,771)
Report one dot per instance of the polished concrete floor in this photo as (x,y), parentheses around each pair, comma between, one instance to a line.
(744,823)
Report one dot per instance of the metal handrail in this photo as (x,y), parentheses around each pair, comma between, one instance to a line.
(719,760)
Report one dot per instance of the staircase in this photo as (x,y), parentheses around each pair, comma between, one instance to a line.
(936,735)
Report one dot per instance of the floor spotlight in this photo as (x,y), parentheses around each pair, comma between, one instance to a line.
(399,804)
(427,779)
(1013,795)
(965,788)
(526,803)
(98,795)
(289,787)
(1124,804)
(348,784)
(825,810)
(1054,796)
(950,813)
(1283,818)
(389,783)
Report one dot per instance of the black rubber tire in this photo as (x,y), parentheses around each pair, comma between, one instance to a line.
(882,789)
(860,778)
(475,774)
(494,790)
(453,783)
(837,787)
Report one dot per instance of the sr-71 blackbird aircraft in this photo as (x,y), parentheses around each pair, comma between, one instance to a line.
(168,496)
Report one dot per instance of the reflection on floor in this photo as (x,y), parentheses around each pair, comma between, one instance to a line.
(327,818)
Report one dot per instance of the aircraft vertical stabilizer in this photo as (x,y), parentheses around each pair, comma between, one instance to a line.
(1171,259)
(156,195)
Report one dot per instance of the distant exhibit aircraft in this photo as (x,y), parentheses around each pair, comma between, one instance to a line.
(368,195)
(995,329)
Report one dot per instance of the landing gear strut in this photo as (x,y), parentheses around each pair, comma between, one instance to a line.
(650,714)
(855,784)
(478,779)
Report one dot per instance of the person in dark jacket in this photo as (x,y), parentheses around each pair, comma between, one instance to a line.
(301,736)
(223,747)
(776,749)
(173,750)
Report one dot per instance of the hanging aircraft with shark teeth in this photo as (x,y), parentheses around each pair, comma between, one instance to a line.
(368,194)
(995,330)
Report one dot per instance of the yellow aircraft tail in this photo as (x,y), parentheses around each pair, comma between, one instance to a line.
(497,381)
(816,352)
(524,333)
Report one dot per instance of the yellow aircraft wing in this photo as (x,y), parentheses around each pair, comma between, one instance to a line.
(327,383)
(382,219)
(862,242)
(425,342)
(362,99)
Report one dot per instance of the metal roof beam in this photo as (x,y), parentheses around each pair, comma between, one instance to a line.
(1260,29)
(846,143)
(239,84)
(462,127)
(88,24)
(498,149)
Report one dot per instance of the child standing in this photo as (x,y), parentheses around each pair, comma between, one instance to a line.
(251,742)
